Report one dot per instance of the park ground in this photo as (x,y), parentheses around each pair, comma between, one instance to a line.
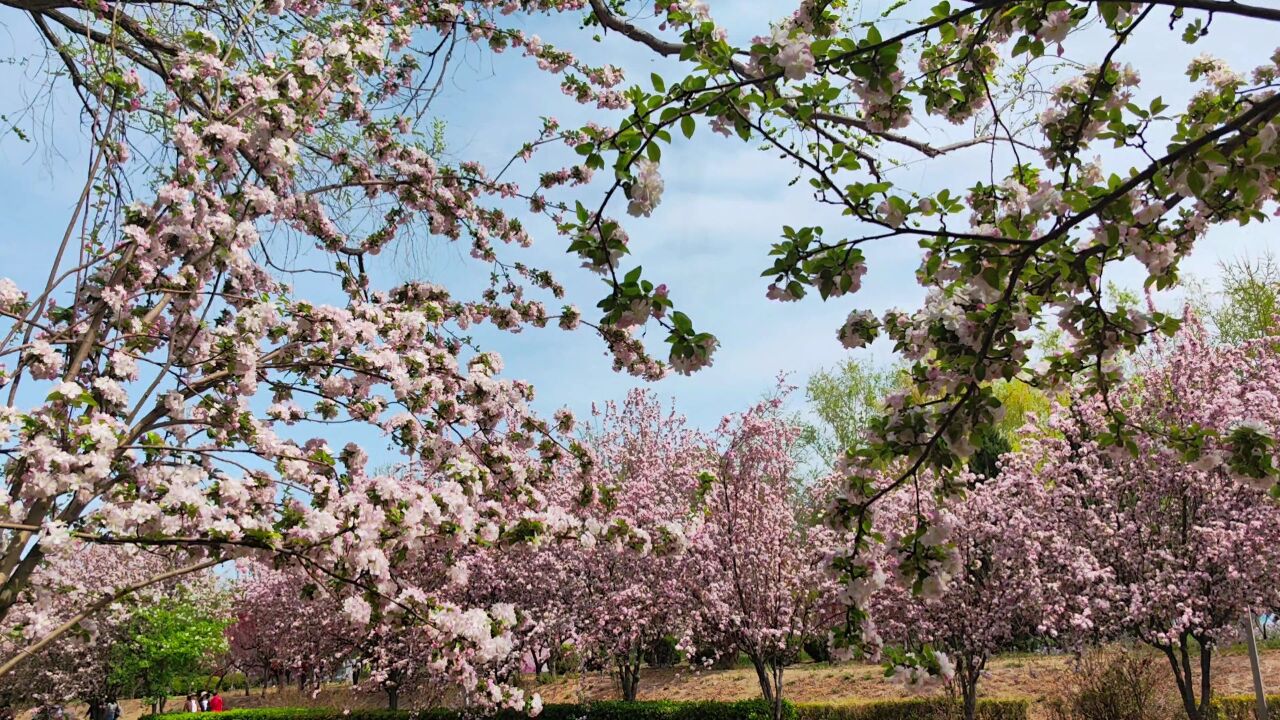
(1037,678)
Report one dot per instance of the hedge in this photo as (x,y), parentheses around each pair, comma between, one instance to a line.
(913,709)
(1240,707)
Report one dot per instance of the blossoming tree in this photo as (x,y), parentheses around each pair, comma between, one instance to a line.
(987,572)
(164,387)
(1187,534)
(761,576)
(284,626)
(610,596)
(289,621)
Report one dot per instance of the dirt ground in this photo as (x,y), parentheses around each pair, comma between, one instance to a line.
(1035,677)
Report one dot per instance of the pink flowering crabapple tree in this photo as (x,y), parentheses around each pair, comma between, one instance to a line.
(761,576)
(1187,534)
(1004,575)
(611,597)
(289,624)
(284,629)
(647,462)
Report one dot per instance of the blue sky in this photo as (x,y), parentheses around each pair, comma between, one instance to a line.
(725,203)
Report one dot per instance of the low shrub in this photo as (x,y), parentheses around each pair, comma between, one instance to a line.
(1240,707)
(912,709)
(1123,683)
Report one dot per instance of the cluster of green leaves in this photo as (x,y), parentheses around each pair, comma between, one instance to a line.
(843,399)
(171,644)
(1250,306)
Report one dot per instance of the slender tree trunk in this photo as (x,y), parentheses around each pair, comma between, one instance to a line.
(1180,662)
(629,674)
(628,680)
(970,673)
(777,691)
(969,691)
(770,677)
(1206,690)
(393,697)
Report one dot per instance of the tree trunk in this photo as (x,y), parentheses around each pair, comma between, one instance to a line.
(629,674)
(777,691)
(1185,677)
(1206,690)
(393,697)
(770,677)
(969,690)
(970,672)
(628,680)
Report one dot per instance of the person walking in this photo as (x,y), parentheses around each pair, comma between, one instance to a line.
(215,702)
(193,705)
(204,701)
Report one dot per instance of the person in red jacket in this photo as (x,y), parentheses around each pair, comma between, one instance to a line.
(215,702)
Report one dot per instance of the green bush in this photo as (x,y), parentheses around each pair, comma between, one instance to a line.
(1240,707)
(912,709)
(195,683)
(663,653)
(817,649)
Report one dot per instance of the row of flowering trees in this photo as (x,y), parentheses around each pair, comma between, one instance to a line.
(1096,529)
(1073,539)
(748,574)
